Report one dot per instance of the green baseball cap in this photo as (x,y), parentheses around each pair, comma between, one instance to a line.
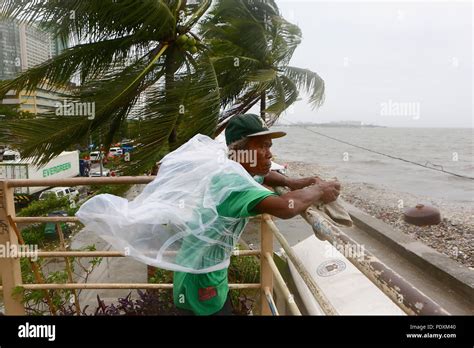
(248,125)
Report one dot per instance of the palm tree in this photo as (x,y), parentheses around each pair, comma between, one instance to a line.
(185,64)
(177,76)
(251,47)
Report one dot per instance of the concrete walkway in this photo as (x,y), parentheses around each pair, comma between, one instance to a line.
(110,270)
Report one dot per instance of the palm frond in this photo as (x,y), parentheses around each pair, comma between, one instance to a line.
(308,81)
(191,102)
(277,98)
(197,13)
(91,60)
(231,75)
(246,100)
(280,97)
(112,97)
(262,75)
(231,25)
(285,39)
(92,20)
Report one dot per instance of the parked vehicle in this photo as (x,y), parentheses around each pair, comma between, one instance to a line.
(66,165)
(59,192)
(95,173)
(115,153)
(127,146)
(10,156)
(95,156)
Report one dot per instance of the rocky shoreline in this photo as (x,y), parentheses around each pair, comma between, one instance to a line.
(453,236)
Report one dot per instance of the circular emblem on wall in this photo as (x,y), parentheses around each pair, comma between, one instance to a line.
(330,268)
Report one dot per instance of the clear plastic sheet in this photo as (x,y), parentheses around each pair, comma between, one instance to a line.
(174,223)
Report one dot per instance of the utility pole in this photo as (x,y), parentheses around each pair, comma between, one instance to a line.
(100,156)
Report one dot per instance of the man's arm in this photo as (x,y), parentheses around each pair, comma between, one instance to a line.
(296,202)
(276,179)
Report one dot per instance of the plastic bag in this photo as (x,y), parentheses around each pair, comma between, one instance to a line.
(174,223)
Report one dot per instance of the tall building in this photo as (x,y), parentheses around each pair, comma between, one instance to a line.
(35,46)
(23,47)
(10,53)
(57,47)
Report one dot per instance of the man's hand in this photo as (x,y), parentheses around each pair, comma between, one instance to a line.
(331,190)
(296,202)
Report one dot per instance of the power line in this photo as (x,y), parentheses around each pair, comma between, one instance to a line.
(387,155)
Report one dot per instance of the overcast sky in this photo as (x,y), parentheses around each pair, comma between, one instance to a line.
(399,64)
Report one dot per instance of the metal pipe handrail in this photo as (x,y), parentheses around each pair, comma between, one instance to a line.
(115,180)
(270,301)
(36,219)
(406,296)
(289,298)
(74,253)
(8,186)
(318,294)
(88,286)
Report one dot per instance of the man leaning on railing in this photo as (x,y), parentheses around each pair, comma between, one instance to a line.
(249,142)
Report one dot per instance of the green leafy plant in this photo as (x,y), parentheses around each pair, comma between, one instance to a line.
(34,234)
(117,190)
(244,269)
(43,207)
(35,301)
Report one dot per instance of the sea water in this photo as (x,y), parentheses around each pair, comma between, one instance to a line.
(448,149)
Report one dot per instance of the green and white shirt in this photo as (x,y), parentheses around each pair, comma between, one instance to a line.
(206,293)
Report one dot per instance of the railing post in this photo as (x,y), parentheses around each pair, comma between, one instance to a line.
(266,274)
(10,269)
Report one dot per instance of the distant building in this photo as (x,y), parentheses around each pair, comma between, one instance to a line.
(39,101)
(10,54)
(35,46)
(23,47)
(57,47)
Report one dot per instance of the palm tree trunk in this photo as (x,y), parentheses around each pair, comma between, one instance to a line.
(263,105)
(168,80)
(171,68)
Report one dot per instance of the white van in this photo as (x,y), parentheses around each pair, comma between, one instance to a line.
(95,173)
(115,151)
(95,156)
(59,192)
